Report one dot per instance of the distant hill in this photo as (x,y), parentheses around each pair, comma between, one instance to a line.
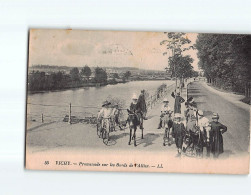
(66,69)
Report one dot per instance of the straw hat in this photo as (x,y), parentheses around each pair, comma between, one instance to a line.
(200,113)
(215,116)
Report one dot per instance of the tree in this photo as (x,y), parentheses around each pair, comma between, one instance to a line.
(225,60)
(116,76)
(184,68)
(86,71)
(75,75)
(100,75)
(179,65)
(127,75)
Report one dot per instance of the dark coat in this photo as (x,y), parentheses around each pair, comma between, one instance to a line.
(216,139)
(179,132)
(177,103)
(142,103)
(134,108)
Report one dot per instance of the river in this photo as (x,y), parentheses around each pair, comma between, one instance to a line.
(55,105)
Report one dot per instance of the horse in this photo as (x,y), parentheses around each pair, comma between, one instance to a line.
(133,122)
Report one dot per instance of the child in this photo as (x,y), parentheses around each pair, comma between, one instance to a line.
(179,131)
(216,139)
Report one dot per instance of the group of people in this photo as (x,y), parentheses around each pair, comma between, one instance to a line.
(109,112)
(191,132)
(194,131)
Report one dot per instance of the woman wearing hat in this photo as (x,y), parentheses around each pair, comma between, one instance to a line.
(216,139)
(105,115)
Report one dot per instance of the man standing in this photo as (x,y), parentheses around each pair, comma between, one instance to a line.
(178,101)
(142,103)
(216,139)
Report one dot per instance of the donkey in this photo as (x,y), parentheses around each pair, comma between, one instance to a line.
(133,122)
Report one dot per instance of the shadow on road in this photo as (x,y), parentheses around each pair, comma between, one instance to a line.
(119,136)
(148,139)
(149,117)
(42,125)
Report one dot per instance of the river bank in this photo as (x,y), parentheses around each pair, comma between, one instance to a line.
(87,85)
(82,85)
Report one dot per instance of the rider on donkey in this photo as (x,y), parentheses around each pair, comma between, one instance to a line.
(135,108)
(165,109)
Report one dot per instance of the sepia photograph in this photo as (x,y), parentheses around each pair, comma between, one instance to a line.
(138,101)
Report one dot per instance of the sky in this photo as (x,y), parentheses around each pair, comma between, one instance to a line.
(101,48)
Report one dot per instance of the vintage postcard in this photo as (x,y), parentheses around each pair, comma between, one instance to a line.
(138,101)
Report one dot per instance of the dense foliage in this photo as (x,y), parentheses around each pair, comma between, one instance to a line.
(180,65)
(100,75)
(225,59)
(86,72)
(39,81)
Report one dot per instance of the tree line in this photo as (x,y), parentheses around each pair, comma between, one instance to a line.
(40,81)
(226,60)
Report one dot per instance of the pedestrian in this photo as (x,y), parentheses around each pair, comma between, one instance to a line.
(216,138)
(142,103)
(178,101)
(179,132)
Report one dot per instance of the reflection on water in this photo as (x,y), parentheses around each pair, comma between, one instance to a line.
(89,97)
